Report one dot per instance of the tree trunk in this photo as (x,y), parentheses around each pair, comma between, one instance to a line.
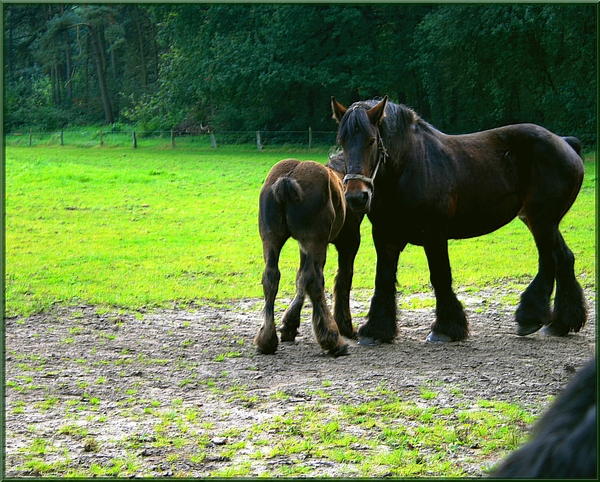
(69,74)
(106,104)
(142,51)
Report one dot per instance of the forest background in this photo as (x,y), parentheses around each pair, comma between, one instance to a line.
(275,66)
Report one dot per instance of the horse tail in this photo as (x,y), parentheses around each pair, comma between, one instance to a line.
(287,189)
(574,143)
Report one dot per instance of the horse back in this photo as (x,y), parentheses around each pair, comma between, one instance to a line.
(476,183)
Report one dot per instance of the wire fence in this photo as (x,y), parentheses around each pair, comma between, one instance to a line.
(135,138)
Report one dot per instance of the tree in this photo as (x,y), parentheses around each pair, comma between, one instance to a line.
(483,66)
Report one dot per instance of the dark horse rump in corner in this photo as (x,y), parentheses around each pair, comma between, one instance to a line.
(563,442)
(423,187)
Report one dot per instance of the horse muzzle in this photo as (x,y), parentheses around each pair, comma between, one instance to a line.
(360,193)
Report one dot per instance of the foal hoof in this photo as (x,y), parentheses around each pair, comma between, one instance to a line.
(434,337)
(368,341)
(267,350)
(555,330)
(340,351)
(524,330)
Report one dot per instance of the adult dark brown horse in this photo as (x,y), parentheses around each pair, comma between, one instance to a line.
(305,201)
(423,187)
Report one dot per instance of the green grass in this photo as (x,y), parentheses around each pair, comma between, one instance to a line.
(149,227)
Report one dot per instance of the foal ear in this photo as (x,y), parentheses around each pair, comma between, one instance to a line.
(377,113)
(338,110)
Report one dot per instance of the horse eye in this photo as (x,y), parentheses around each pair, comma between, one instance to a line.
(371,141)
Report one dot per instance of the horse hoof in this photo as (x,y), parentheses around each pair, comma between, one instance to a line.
(340,352)
(288,338)
(555,330)
(524,330)
(434,337)
(266,351)
(368,341)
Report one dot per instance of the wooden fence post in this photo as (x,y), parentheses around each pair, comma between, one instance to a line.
(310,137)
(258,143)
(62,139)
(101,139)
(172,138)
(134,139)
(213,141)
(30,136)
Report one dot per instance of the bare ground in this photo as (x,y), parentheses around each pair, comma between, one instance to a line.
(91,382)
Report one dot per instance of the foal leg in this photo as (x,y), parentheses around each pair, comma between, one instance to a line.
(266,338)
(324,327)
(381,323)
(291,317)
(450,323)
(570,312)
(533,311)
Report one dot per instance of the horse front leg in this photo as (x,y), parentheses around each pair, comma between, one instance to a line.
(450,321)
(347,247)
(381,320)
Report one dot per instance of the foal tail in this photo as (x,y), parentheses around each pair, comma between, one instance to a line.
(574,143)
(287,189)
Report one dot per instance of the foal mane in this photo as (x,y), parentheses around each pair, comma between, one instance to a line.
(336,161)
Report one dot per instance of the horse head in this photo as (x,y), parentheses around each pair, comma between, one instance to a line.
(358,134)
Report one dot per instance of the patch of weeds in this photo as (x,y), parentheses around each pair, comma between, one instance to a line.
(241,469)
(230,354)
(90,444)
(279,395)
(427,394)
(47,404)
(106,336)
(18,407)
(73,430)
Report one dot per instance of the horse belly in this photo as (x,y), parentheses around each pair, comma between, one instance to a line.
(483,218)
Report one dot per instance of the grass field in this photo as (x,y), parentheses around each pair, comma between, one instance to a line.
(149,227)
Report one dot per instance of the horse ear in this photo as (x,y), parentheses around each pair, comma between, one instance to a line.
(338,110)
(377,113)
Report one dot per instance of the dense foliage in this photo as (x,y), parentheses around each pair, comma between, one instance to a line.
(257,66)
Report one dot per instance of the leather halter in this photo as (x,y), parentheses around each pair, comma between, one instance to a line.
(381,157)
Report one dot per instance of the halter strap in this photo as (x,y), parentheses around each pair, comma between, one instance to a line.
(381,157)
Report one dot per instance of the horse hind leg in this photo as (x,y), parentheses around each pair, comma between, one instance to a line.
(533,311)
(291,317)
(570,312)
(324,327)
(266,339)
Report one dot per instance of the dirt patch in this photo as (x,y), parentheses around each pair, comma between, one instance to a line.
(94,384)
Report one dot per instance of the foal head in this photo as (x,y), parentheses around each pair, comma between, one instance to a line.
(358,134)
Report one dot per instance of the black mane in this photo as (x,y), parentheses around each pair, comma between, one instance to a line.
(396,127)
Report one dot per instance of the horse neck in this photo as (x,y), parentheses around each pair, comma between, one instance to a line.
(404,140)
